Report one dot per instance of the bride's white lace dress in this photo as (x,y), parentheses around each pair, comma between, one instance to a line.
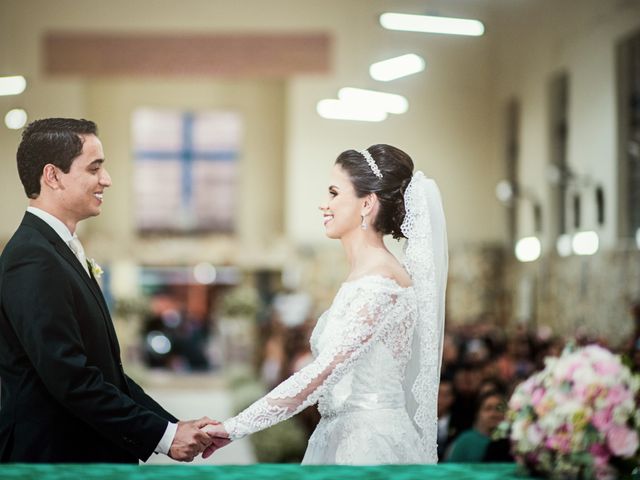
(361,346)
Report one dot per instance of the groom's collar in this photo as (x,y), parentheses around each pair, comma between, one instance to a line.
(55,223)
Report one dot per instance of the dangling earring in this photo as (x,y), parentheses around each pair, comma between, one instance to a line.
(363,225)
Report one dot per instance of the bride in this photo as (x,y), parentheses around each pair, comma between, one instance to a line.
(378,348)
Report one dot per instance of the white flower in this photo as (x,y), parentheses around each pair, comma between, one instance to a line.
(552,421)
(622,413)
(96,269)
(534,435)
(585,375)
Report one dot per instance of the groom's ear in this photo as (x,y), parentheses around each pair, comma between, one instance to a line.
(50,177)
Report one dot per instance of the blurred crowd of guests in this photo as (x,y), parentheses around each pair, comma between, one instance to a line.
(482,364)
(175,334)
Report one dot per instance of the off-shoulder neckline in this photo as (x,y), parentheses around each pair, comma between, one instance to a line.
(377,276)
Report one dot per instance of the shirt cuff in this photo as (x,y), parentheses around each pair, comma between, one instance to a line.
(167,439)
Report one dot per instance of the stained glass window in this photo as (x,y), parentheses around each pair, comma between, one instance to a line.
(186,167)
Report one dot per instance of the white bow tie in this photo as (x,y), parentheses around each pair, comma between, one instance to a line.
(78,251)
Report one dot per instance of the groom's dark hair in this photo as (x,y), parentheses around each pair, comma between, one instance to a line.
(51,140)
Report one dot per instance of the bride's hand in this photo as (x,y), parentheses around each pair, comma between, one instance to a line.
(219,438)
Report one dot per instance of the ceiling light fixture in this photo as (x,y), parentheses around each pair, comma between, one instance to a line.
(15,119)
(397,67)
(430,24)
(362,98)
(341,110)
(13,85)
(564,245)
(585,243)
(528,249)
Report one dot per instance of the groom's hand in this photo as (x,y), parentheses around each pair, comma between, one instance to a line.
(190,441)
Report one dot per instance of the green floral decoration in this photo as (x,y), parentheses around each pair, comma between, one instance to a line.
(240,302)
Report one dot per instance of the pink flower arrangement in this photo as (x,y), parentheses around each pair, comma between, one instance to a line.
(577,418)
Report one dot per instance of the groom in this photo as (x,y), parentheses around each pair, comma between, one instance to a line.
(65,397)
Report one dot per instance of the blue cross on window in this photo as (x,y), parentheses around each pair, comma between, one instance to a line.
(187,154)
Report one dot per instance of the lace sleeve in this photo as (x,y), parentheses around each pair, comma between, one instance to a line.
(365,320)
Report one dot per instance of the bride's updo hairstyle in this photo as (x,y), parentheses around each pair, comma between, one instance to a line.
(388,177)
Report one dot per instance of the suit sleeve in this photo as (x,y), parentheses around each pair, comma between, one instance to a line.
(38,301)
(141,397)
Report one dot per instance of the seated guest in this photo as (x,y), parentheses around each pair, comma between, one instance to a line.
(466,382)
(471,445)
(446,429)
(492,384)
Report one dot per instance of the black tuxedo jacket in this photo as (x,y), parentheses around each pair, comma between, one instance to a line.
(64,394)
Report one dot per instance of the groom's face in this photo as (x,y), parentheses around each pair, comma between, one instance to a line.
(81,195)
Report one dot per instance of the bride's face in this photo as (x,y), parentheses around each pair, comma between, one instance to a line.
(341,213)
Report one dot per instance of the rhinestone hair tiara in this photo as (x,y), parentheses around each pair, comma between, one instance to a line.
(372,164)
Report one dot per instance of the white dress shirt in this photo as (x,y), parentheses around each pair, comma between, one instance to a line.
(63,232)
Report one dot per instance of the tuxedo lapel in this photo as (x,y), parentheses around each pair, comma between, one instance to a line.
(91,284)
(98,290)
(65,252)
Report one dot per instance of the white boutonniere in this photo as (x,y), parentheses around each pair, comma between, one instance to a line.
(96,269)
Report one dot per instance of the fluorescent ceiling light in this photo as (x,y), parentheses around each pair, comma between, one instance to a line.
(361,98)
(341,110)
(15,119)
(585,243)
(429,24)
(14,85)
(397,67)
(528,249)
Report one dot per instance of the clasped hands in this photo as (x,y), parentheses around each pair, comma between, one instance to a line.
(194,437)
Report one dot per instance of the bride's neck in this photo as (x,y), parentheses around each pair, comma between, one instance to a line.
(362,247)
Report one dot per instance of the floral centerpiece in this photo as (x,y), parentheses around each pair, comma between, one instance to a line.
(577,418)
